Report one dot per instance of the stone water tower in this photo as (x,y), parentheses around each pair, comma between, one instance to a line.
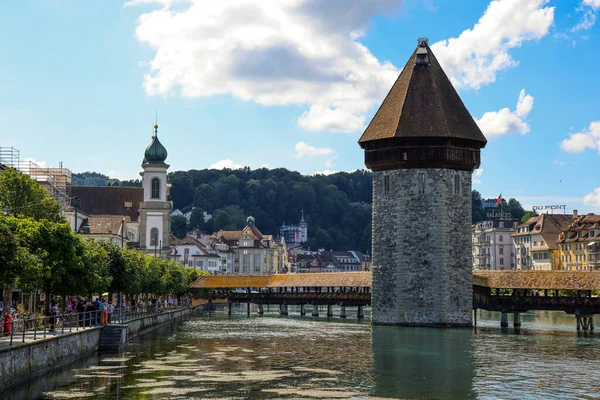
(422,146)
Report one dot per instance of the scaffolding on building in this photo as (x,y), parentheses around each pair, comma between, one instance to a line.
(56,181)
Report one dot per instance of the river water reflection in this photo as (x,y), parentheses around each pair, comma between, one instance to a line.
(283,358)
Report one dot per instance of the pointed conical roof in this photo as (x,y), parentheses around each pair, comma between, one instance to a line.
(422,104)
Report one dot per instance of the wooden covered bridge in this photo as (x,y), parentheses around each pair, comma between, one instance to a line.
(573,292)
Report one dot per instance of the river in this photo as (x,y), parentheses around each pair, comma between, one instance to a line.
(272,357)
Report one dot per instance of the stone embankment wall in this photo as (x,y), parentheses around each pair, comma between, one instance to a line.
(23,361)
(422,259)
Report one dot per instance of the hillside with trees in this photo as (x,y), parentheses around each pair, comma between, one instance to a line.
(337,207)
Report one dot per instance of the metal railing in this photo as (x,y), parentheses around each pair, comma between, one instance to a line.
(40,327)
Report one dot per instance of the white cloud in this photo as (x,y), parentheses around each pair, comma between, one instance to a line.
(478,173)
(267,166)
(590,9)
(474,57)
(303,149)
(329,163)
(226,164)
(326,172)
(560,163)
(32,163)
(592,199)
(587,138)
(504,121)
(271,52)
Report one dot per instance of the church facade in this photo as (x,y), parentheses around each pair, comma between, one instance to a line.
(137,217)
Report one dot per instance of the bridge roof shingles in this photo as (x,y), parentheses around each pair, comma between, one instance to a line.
(564,280)
(337,279)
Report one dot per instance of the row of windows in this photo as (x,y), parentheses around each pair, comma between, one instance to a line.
(522,240)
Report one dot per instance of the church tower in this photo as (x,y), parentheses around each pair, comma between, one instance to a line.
(155,210)
(422,146)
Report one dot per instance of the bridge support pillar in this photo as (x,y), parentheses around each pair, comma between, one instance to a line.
(343,311)
(261,309)
(504,320)
(578,323)
(592,323)
(315,312)
(302,310)
(329,310)
(248,309)
(361,313)
(284,309)
(475,317)
(517,320)
(229,308)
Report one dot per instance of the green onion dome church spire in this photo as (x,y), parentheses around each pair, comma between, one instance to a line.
(156,152)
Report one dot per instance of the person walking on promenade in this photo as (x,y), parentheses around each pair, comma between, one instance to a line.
(80,308)
(111,310)
(104,311)
(96,318)
(52,319)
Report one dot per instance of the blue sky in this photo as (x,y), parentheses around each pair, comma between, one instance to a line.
(293,83)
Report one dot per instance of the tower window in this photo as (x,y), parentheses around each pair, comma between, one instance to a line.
(456,185)
(386,184)
(155,188)
(421,183)
(154,237)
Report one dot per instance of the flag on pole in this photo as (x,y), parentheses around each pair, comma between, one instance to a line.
(499,200)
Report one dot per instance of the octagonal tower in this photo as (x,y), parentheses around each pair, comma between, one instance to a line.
(422,146)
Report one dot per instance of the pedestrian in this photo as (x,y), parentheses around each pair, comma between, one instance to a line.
(96,319)
(104,311)
(80,308)
(52,319)
(111,310)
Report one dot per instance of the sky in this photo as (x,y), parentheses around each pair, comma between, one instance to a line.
(293,83)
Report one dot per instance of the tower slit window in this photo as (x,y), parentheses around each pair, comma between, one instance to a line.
(386,184)
(456,185)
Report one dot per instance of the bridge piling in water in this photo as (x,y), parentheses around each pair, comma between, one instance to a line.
(343,311)
(315,312)
(360,313)
(284,309)
(261,309)
(504,320)
(329,311)
(302,310)
(517,320)
(229,308)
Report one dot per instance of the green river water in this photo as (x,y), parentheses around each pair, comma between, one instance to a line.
(272,357)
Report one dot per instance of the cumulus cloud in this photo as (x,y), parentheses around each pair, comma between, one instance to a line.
(590,9)
(226,164)
(504,121)
(326,172)
(587,138)
(306,52)
(475,57)
(303,149)
(272,52)
(592,199)
(477,175)
(32,163)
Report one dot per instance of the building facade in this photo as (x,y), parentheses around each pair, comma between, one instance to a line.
(579,244)
(493,248)
(155,210)
(295,235)
(535,242)
(422,146)
(192,253)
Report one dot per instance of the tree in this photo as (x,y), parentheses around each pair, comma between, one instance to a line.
(196,220)
(21,196)
(527,215)
(229,218)
(179,226)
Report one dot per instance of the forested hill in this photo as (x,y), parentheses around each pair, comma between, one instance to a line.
(336,207)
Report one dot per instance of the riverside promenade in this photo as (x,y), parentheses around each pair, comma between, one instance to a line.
(37,351)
